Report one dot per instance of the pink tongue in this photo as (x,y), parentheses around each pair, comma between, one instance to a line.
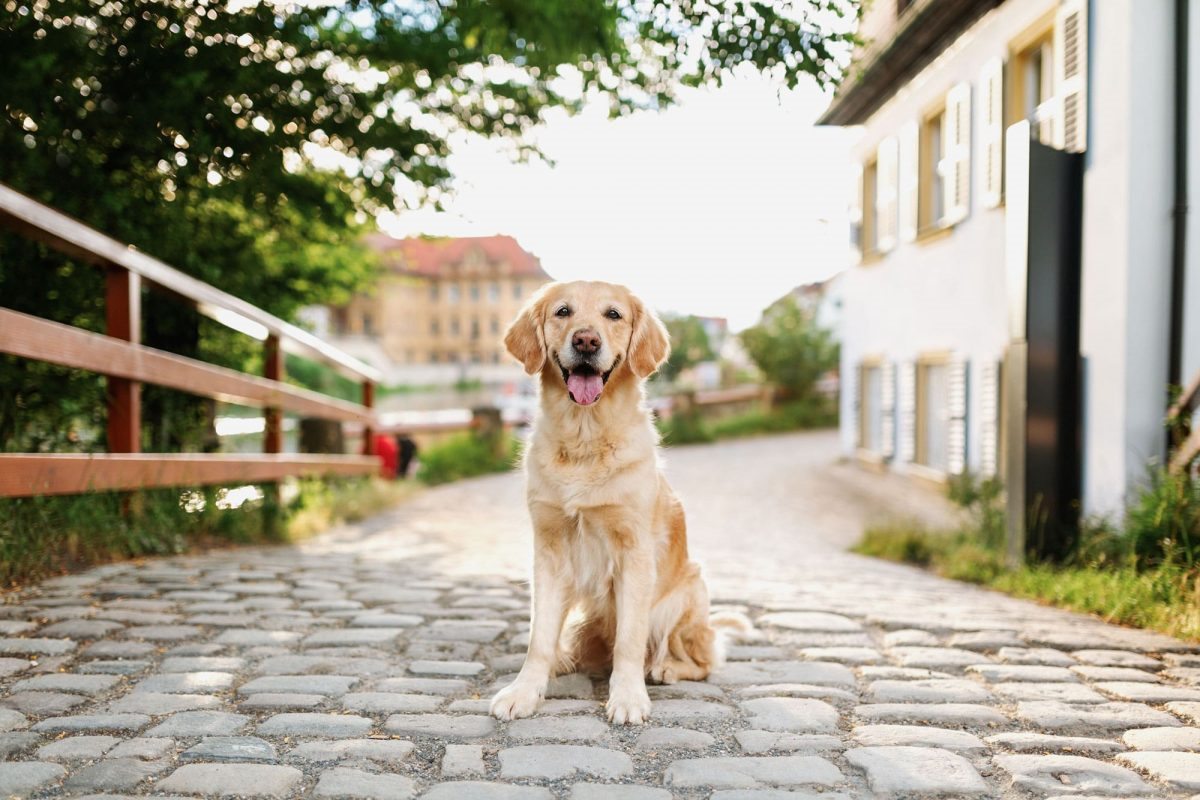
(585,388)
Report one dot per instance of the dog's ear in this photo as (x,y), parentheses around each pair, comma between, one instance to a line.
(524,338)
(650,344)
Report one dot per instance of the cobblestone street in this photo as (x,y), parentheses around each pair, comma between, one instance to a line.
(360,665)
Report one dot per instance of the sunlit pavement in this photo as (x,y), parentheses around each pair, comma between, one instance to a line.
(359,665)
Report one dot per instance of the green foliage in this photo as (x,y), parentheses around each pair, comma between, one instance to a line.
(790,349)
(692,428)
(1163,524)
(1145,575)
(983,498)
(689,346)
(685,428)
(465,456)
(320,378)
(248,144)
(43,536)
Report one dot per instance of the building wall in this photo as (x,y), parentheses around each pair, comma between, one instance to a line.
(946,292)
(1191,335)
(402,312)
(1126,246)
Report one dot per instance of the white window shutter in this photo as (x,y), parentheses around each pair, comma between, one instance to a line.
(991,131)
(956,460)
(887,409)
(886,191)
(910,176)
(906,412)
(1070,74)
(855,213)
(851,384)
(957,149)
(989,417)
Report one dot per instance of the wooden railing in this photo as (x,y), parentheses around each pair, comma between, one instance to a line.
(1185,442)
(127,364)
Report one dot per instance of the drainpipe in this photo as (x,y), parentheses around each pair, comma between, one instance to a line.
(1180,209)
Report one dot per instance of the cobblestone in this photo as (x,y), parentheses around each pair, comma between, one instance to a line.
(361,664)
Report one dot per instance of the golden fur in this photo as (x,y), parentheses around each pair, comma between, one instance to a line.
(612,582)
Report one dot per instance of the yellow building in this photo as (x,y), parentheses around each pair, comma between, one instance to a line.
(443,301)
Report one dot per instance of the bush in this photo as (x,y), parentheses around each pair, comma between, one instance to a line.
(816,412)
(467,455)
(685,429)
(1163,524)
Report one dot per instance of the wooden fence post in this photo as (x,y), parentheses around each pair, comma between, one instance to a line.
(272,433)
(368,400)
(123,320)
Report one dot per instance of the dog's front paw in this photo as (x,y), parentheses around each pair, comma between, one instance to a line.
(515,701)
(628,705)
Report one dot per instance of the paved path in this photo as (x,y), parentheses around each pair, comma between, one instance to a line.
(360,665)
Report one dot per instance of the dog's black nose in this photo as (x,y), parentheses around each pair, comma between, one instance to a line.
(585,342)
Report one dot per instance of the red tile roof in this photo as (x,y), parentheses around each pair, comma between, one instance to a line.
(432,257)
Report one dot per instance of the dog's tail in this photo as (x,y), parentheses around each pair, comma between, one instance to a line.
(730,626)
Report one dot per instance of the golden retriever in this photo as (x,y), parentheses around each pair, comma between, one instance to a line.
(610,545)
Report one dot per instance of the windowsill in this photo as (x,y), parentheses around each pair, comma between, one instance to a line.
(933,477)
(933,233)
(870,459)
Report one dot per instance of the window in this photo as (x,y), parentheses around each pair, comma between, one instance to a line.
(493,292)
(931,205)
(434,327)
(516,290)
(433,357)
(433,292)
(454,328)
(870,427)
(494,326)
(1047,74)
(933,414)
(1033,88)
(368,324)
(474,292)
(475,328)
(452,293)
(869,231)
(944,168)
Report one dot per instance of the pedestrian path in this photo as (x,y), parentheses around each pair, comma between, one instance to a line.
(360,665)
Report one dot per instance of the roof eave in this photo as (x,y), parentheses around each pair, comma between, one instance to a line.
(928,28)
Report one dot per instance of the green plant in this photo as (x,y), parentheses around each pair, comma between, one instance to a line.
(689,345)
(467,455)
(983,498)
(684,428)
(1163,523)
(790,349)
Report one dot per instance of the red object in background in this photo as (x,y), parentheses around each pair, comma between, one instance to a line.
(389,455)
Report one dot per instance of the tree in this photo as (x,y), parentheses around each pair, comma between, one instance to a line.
(689,345)
(248,143)
(790,349)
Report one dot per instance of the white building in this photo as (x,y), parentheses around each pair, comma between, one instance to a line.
(925,319)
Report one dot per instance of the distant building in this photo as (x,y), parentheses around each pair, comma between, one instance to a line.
(938,294)
(441,306)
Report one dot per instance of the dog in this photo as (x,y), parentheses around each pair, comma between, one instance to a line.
(613,587)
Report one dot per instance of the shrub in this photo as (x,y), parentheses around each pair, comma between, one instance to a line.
(467,455)
(1163,523)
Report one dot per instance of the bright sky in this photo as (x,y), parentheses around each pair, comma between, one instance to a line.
(716,206)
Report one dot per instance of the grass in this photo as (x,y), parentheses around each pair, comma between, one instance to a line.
(467,455)
(797,415)
(1143,573)
(43,536)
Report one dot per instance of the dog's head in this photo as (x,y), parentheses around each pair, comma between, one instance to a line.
(587,332)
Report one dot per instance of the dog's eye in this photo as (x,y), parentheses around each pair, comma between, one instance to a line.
(563,311)
(612,313)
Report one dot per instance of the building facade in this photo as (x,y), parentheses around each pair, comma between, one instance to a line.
(442,305)
(926,301)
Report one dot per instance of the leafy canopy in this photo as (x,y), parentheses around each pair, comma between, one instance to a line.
(790,349)
(689,345)
(250,142)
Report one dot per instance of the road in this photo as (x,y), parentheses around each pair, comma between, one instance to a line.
(359,665)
